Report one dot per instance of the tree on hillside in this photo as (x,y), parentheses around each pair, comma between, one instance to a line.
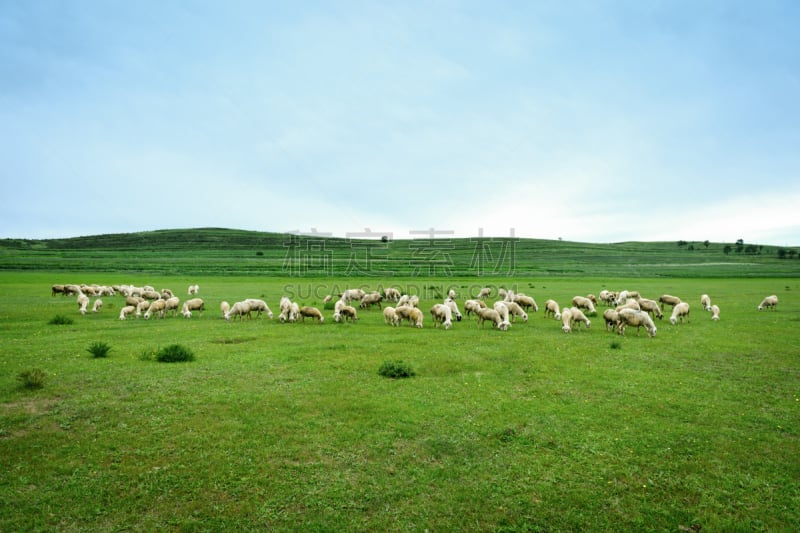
(706,243)
(739,246)
(681,243)
(727,249)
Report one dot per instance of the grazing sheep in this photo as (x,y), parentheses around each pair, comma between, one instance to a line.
(390,293)
(240,310)
(259,306)
(451,294)
(451,303)
(551,308)
(516,310)
(57,289)
(632,317)
(486,313)
(472,306)
(327,299)
(294,312)
(224,307)
(390,316)
(666,299)
(504,313)
(312,312)
(566,320)
(593,298)
(705,301)
(581,302)
(349,311)
(611,318)
(608,297)
(679,312)
(629,304)
(71,290)
(484,293)
(770,302)
(157,306)
(125,311)
(132,300)
(195,304)
(98,304)
(83,302)
(526,302)
(285,306)
(142,306)
(193,289)
(413,300)
(650,306)
(352,294)
(415,317)
(368,300)
(150,295)
(578,317)
(715,312)
(172,304)
(166,294)
(403,301)
(442,314)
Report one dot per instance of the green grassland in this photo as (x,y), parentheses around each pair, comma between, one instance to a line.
(290,427)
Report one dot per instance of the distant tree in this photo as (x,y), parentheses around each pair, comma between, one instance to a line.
(681,243)
(782,253)
(751,249)
(706,243)
(740,242)
(739,246)
(727,249)
(691,247)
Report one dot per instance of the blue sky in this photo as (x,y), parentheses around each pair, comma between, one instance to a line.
(597,121)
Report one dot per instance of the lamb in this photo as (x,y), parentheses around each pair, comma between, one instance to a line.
(172,304)
(451,303)
(503,311)
(238,309)
(551,308)
(195,304)
(472,306)
(125,311)
(312,312)
(368,300)
(705,301)
(224,307)
(260,306)
(578,316)
(157,306)
(485,313)
(632,317)
(566,320)
(526,302)
(770,302)
(442,313)
(98,304)
(611,318)
(83,302)
(193,289)
(666,299)
(390,316)
(484,293)
(679,312)
(516,311)
(650,306)
(581,302)
(715,312)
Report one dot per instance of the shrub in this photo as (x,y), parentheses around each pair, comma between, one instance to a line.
(396,369)
(616,345)
(32,379)
(61,320)
(174,353)
(99,349)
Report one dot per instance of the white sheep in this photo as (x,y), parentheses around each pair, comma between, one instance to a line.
(650,306)
(608,297)
(516,310)
(679,312)
(578,317)
(238,309)
(629,304)
(484,293)
(126,311)
(390,316)
(582,302)
(194,304)
(368,300)
(472,306)
(632,317)
(566,320)
(193,289)
(166,294)
(285,306)
(142,307)
(349,311)
(311,312)
(489,314)
(526,302)
(327,299)
(611,318)
(259,306)
(412,314)
(224,307)
(705,301)
(157,306)
(98,304)
(352,294)
(442,314)
(83,302)
(172,304)
(551,308)
(390,293)
(667,299)
(502,310)
(715,312)
(451,303)
(770,302)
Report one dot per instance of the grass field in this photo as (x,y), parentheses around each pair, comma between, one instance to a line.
(290,427)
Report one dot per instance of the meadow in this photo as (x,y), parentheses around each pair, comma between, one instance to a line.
(290,426)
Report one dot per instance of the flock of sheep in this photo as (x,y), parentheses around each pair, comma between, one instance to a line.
(624,308)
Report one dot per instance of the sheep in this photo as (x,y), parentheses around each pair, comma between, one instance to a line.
(157,306)
(238,309)
(260,306)
(593,298)
(83,302)
(327,299)
(412,314)
(526,302)
(484,293)
(150,295)
(770,302)
(224,307)
(451,294)
(516,311)
(294,312)
(578,316)
(632,317)
(142,306)
(312,312)
(581,302)
(285,305)
(551,308)
(629,304)
(705,301)
(390,293)
(390,316)
(486,313)
(403,300)
(57,289)
(566,320)
(368,300)
(195,304)
(442,313)
(451,303)
(125,311)
(348,311)
(352,294)
(193,289)
(413,300)
(472,306)
(611,318)
(679,312)
(666,299)
(71,290)
(98,304)
(650,306)
(715,312)
(608,297)
(133,300)
(172,304)
(504,313)
(166,294)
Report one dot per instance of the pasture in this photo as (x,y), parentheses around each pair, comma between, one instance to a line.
(290,427)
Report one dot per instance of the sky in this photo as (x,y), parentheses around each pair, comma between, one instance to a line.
(595,121)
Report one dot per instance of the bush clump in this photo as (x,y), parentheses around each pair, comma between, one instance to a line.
(174,353)
(396,369)
(61,320)
(616,345)
(99,349)
(32,379)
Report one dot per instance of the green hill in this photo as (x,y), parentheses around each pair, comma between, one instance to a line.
(218,251)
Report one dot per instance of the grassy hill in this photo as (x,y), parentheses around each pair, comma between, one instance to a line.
(218,251)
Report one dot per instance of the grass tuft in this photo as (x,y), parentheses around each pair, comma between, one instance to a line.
(32,379)
(396,369)
(174,353)
(61,320)
(99,349)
